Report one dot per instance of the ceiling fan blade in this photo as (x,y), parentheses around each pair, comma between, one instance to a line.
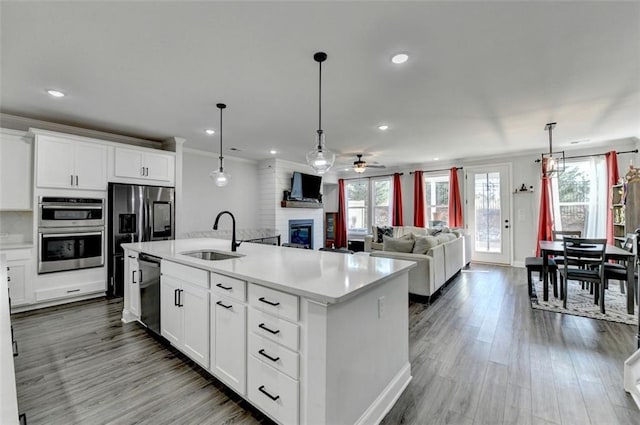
(376,166)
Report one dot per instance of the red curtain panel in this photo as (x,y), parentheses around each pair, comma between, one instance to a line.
(612,178)
(341,225)
(545,221)
(397,201)
(455,204)
(418,199)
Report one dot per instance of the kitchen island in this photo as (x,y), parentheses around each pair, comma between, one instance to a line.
(308,337)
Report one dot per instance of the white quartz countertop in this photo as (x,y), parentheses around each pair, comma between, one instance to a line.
(323,276)
(15,245)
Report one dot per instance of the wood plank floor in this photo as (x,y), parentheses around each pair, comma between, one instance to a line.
(479,355)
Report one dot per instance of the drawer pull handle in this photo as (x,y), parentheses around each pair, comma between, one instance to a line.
(226,288)
(133,276)
(261,325)
(273,359)
(222,305)
(15,348)
(263,391)
(72,290)
(267,301)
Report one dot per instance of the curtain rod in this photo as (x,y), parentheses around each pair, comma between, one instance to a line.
(593,154)
(434,171)
(373,177)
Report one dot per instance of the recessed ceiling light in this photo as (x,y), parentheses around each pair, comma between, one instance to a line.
(436,159)
(210,131)
(55,93)
(383,127)
(400,58)
(273,151)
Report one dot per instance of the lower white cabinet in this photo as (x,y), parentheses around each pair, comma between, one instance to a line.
(272,391)
(184,318)
(132,273)
(228,341)
(19,275)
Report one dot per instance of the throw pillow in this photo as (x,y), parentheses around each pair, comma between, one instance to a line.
(424,244)
(397,244)
(382,231)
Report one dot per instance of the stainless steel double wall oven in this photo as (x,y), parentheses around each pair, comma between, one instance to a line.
(70,233)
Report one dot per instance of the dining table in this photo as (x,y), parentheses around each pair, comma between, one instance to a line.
(556,248)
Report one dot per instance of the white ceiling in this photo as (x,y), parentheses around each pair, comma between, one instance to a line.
(482,78)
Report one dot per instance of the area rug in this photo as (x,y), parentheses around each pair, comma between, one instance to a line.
(580,303)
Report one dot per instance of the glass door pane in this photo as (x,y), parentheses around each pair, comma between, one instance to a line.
(487,213)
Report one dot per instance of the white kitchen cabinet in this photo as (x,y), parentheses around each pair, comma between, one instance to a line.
(16,170)
(171,323)
(70,164)
(132,273)
(184,303)
(19,275)
(228,341)
(144,165)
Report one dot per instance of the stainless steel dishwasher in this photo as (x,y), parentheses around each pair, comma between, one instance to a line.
(150,292)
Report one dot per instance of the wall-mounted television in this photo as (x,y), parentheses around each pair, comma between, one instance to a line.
(305,186)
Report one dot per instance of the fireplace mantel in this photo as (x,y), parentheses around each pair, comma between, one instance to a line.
(301,204)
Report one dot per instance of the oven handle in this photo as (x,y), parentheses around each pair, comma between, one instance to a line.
(65,235)
(71,207)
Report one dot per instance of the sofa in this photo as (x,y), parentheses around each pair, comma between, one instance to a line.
(449,251)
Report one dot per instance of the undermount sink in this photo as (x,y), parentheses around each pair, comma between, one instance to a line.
(212,255)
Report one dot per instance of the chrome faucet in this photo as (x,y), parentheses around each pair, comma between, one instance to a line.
(234,245)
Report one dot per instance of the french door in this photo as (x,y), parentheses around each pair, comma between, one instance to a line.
(488,212)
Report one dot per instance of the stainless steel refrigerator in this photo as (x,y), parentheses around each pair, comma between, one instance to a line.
(136,214)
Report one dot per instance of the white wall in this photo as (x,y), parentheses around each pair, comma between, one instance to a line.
(275,177)
(203,200)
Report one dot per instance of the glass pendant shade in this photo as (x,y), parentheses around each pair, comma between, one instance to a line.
(359,169)
(219,177)
(321,159)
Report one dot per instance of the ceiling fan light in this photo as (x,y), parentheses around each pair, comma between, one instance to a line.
(359,168)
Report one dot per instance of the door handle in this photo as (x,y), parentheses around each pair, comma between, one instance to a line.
(77,181)
(175,297)
(180,298)
(140,274)
(142,171)
(133,277)
(71,184)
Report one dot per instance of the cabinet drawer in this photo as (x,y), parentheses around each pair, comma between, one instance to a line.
(185,273)
(273,328)
(70,291)
(273,392)
(18,254)
(274,355)
(229,286)
(275,302)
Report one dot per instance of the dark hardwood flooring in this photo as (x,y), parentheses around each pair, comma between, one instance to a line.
(479,355)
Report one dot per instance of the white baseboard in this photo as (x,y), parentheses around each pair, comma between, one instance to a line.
(632,376)
(28,307)
(387,398)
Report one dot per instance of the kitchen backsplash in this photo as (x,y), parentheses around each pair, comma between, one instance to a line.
(16,226)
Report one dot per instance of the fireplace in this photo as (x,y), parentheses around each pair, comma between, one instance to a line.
(301,233)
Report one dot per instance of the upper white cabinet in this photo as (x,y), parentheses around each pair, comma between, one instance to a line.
(70,164)
(16,165)
(144,165)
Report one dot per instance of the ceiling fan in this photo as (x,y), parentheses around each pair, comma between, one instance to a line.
(360,165)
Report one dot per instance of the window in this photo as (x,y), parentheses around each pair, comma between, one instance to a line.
(437,200)
(360,195)
(579,197)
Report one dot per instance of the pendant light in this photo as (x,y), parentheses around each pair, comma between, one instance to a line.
(320,159)
(219,177)
(555,160)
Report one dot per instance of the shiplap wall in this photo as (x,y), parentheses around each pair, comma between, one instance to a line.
(274,176)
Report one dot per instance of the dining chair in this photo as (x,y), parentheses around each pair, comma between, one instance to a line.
(584,261)
(558,235)
(618,271)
